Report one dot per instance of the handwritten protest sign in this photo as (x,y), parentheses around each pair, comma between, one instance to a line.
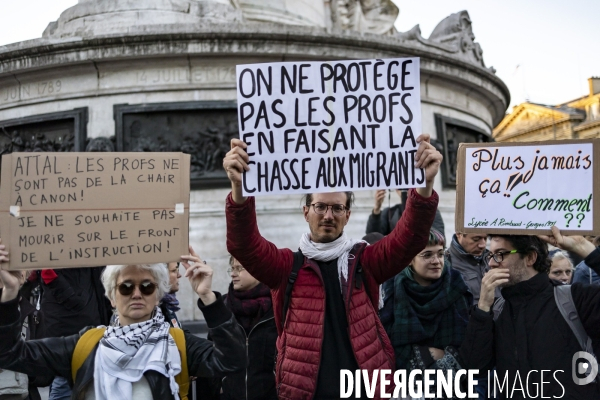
(525,188)
(60,210)
(330,126)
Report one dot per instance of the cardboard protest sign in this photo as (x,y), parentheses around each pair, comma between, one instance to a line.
(330,126)
(60,210)
(526,188)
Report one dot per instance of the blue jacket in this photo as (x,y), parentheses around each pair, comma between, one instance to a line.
(584,274)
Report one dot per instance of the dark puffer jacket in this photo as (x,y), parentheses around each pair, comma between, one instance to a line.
(52,356)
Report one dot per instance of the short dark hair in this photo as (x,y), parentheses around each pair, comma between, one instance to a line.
(308,198)
(231,260)
(525,244)
(436,238)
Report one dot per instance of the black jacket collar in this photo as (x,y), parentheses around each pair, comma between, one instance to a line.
(527,289)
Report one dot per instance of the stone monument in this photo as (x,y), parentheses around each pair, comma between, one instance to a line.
(159,75)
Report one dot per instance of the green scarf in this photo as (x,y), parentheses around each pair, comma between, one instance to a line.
(433,316)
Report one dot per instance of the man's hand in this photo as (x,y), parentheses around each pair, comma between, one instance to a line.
(235,163)
(577,244)
(429,159)
(491,280)
(11,280)
(379,197)
(200,275)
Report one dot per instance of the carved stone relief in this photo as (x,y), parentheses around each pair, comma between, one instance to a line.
(56,132)
(453,35)
(197,129)
(56,136)
(367,16)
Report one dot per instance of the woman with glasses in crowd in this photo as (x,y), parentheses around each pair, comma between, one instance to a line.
(250,302)
(138,357)
(426,311)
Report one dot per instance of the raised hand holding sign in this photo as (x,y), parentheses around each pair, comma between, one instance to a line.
(323,126)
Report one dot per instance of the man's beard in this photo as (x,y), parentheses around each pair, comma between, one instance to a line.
(517,274)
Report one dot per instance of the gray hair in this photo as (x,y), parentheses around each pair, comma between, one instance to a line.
(159,272)
(562,255)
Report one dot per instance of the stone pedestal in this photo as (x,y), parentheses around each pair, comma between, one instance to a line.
(101,55)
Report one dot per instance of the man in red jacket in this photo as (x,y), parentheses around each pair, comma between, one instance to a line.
(332,321)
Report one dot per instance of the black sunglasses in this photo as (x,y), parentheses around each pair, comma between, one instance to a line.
(127,288)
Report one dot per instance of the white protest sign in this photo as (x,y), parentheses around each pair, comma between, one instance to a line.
(524,187)
(330,126)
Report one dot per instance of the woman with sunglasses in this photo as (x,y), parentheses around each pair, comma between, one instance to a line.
(137,357)
(426,311)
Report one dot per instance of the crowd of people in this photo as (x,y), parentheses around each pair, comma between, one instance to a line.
(401,298)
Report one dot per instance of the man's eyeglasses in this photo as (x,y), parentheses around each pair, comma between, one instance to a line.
(236,269)
(337,209)
(429,255)
(499,255)
(127,288)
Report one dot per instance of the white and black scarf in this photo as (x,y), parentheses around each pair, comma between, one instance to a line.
(126,352)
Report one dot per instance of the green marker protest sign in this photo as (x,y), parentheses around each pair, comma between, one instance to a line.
(526,188)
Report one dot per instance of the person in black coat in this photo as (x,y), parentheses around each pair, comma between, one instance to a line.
(250,302)
(530,343)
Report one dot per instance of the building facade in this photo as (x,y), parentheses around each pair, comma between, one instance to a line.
(576,119)
(159,75)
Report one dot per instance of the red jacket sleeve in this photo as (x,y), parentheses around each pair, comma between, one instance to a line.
(394,252)
(260,257)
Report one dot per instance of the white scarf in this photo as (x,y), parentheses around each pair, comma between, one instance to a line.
(126,352)
(340,249)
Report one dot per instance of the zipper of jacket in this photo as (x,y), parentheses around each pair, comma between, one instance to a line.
(350,289)
(322,333)
(247,344)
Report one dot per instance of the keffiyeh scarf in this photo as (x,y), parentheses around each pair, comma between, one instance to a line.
(126,352)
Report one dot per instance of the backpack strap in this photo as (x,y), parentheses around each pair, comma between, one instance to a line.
(84,347)
(359,276)
(298,262)
(182,378)
(566,306)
